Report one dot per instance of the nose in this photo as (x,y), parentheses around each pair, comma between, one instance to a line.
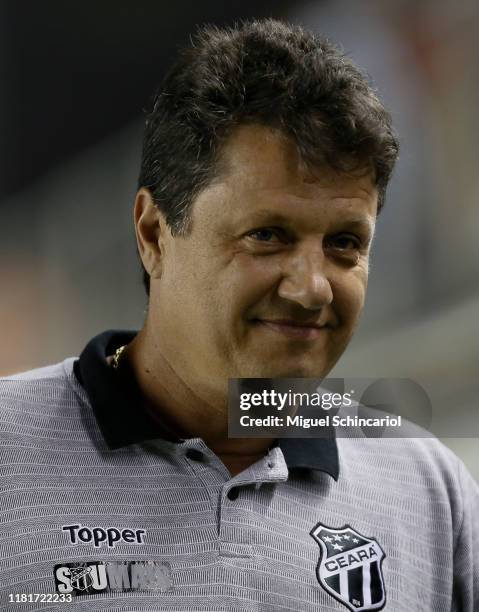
(305,280)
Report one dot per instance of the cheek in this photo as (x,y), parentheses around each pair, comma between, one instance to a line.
(248,280)
(349,296)
(182,296)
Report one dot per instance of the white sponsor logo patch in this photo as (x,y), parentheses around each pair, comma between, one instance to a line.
(90,577)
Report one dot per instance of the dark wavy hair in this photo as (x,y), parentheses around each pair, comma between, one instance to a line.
(265,72)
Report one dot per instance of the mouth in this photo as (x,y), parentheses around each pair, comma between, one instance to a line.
(293,329)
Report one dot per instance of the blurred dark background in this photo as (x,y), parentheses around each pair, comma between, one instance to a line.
(74,72)
(75,78)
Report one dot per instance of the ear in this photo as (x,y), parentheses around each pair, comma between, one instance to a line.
(149,227)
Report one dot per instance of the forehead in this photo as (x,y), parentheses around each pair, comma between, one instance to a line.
(261,172)
(259,157)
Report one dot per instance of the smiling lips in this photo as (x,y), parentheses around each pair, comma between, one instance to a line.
(294,329)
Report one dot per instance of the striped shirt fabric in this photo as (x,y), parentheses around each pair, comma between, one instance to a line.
(161,525)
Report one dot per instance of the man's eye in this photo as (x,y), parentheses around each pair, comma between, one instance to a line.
(265,234)
(345,242)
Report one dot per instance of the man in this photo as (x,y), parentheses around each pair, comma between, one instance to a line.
(266,159)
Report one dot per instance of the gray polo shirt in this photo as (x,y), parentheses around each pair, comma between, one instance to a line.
(100,504)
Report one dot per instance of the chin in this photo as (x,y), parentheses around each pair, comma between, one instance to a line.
(286,370)
(300,373)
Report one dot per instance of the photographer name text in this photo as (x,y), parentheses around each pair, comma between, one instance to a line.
(326,421)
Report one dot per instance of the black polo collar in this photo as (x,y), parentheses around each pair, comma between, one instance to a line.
(117,405)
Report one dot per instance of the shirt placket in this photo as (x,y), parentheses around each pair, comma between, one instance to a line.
(233,498)
(237,505)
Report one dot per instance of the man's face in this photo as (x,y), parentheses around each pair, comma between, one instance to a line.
(271,280)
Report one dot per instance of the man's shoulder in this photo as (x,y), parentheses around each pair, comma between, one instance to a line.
(38,384)
(419,450)
(419,467)
(35,402)
(50,372)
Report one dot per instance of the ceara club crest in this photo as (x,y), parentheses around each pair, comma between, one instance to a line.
(349,567)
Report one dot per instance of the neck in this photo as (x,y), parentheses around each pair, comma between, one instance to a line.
(184,409)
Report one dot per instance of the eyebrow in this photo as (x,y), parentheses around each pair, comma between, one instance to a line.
(363,224)
(271,216)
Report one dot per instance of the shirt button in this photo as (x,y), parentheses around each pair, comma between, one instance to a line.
(233,493)
(194,454)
